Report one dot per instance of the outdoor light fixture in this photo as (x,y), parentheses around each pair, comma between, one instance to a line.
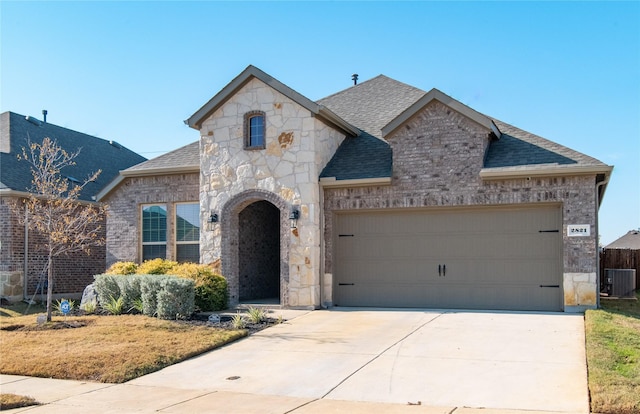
(213,218)
(294,216)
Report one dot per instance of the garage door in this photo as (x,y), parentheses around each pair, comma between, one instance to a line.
(489,258)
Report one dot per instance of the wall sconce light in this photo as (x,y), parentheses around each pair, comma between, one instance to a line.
(294,216)
(213,218)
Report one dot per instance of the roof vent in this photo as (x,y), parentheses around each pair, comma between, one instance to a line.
(115,144)
(33,120)
(354,78)
(44,115)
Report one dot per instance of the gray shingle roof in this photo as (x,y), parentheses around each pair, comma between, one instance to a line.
(369,106)
(372,104)
(95,154)
(183,157)
(375,103)
(631,240)
(519,148)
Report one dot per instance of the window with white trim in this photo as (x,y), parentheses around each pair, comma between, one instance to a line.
(187,224)
(154,231)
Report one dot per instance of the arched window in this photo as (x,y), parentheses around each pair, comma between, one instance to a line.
(254,130)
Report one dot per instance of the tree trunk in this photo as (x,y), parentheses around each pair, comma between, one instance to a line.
(49,287)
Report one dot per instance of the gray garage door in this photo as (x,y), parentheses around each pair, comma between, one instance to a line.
(488,258)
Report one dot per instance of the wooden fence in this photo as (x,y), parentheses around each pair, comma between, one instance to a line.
(620,259)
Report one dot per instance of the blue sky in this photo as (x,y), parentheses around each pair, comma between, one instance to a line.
(133,71)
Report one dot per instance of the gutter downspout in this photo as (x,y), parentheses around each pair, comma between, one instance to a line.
(25,278)
(322,246)
(604,181)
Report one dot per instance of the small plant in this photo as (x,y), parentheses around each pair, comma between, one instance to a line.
(58,305)
(256,315)
(280,319)
(238,321)
(90,307)
(137,306)
(114,306)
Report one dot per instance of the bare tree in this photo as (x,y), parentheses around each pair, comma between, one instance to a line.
(65,223)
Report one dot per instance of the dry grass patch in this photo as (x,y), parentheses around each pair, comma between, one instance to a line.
(111,349)
(9,401)
(613,357)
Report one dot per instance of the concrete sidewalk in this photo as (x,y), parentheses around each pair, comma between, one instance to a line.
(359,361)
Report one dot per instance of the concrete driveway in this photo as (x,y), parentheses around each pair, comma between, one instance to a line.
(499,360)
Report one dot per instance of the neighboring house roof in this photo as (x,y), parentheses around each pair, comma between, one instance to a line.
(95,154)
(185,159)
(631,240)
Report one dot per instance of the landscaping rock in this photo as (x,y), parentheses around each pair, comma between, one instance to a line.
(88,295)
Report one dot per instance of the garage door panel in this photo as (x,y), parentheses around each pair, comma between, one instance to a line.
(495,259)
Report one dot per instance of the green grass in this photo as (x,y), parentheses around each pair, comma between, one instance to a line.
(613,356)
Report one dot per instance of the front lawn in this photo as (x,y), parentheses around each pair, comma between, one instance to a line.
(613,356)
(110,349)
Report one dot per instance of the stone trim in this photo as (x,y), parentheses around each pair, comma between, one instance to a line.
(230,240)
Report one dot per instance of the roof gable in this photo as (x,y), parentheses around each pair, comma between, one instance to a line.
(251,72)
(430,96)
(95,154)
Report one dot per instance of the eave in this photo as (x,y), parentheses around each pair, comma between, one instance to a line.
(331,182)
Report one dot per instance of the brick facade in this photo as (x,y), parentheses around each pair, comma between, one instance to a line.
(123,220)
(437,158)
(72,273)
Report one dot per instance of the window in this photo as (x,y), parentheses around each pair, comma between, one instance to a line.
(154,231)
(254,130)
(188,232)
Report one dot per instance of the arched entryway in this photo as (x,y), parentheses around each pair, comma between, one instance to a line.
(255,233)
(259,252)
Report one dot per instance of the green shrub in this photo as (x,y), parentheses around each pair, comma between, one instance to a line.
(106,286)
(130,289)
(256,315)
(150,285)
(175,300)
(238,321)
(90,307)
(211,289)
(122,268)
(156,267)
(114,306)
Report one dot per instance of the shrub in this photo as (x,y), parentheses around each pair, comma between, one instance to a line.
(106,287)
(114,306)
(256,315)
(130,289)
(150,285)
(238,321)
(156,267)
(175,299)
(211,289)
(90,307)
(122,268)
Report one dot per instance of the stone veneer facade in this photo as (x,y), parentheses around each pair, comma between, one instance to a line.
(123,229)
(285,173)
(437,158)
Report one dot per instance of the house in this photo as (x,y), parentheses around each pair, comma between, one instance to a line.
(378,195)
(19,253)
